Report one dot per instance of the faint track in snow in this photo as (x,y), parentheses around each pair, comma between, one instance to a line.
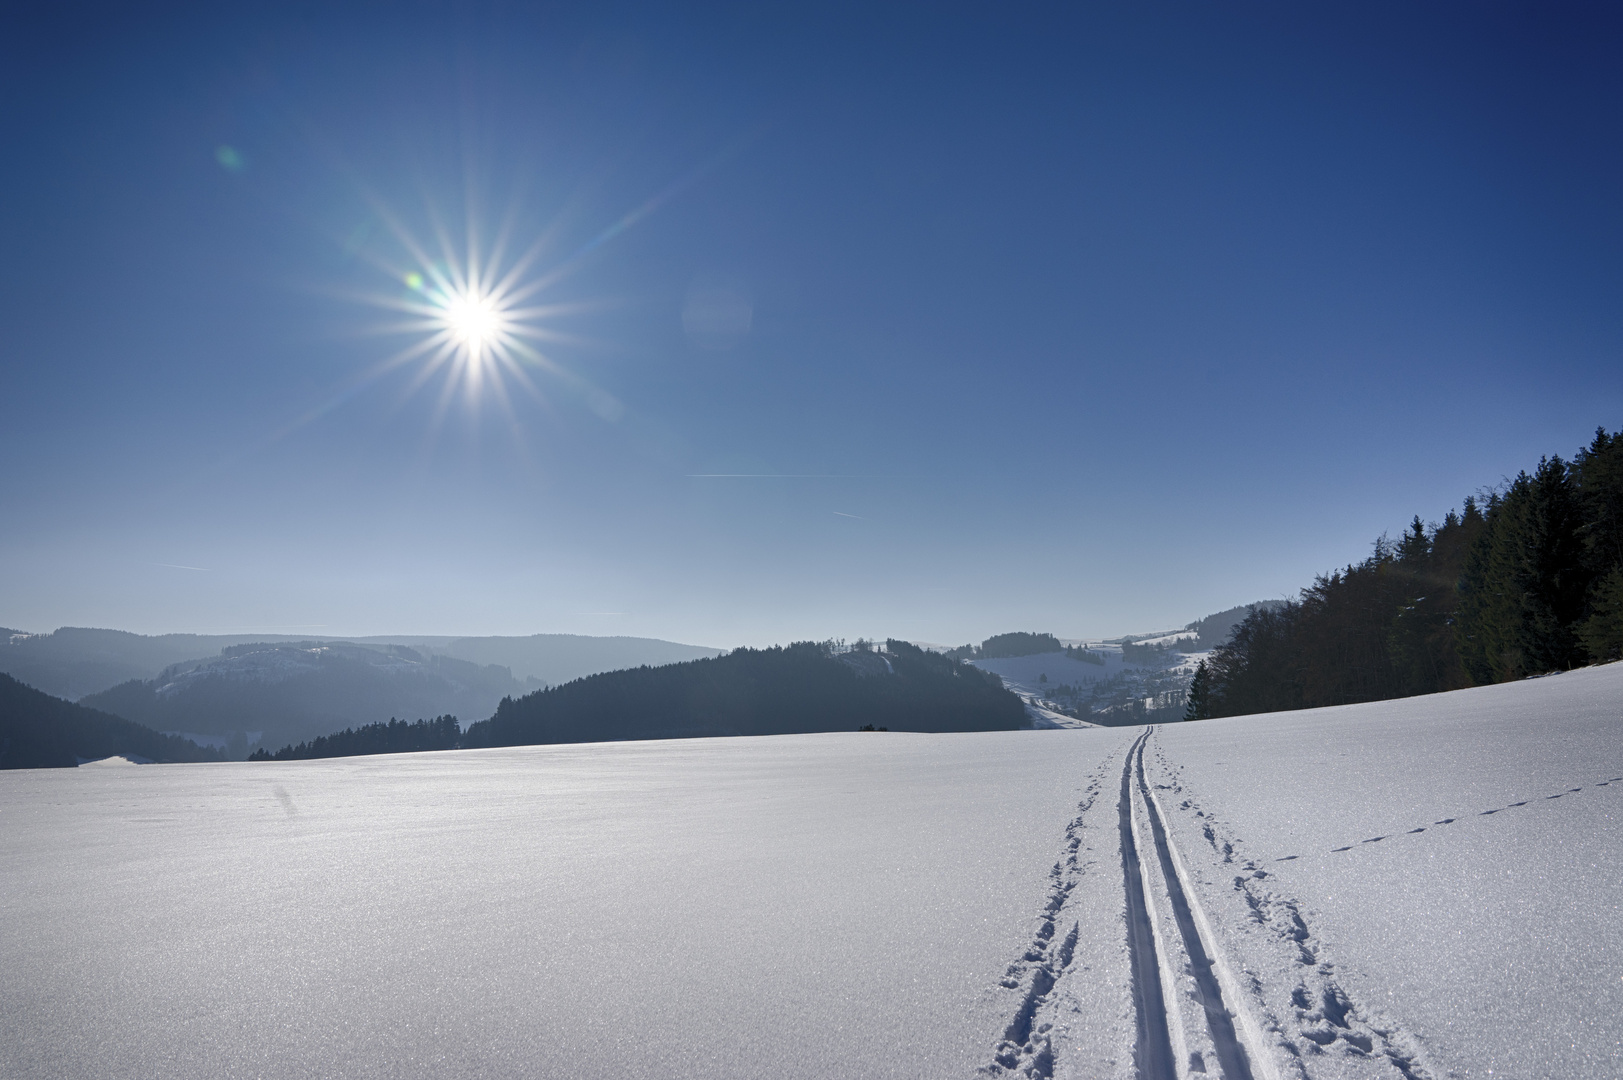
(1531,800)
(1026,1048)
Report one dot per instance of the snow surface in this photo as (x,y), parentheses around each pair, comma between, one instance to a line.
(1456,861)
(1041,716)
(802,906)
(1425,888)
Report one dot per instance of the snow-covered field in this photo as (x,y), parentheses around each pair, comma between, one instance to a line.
(1427,888)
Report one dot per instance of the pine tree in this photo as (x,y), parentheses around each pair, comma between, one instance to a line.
(1199,700)
(1526,583)
(1598,473)
(1602,632)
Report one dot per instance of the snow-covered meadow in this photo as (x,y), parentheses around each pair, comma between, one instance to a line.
(1427,887)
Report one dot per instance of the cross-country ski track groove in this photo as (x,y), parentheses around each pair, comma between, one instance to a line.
(1197,1010)
(1232,1057)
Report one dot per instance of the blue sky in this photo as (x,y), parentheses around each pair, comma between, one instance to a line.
(1061,318)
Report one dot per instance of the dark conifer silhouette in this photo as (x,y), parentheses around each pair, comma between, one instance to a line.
(1526,582)
(395,737)
(38,731)
(804,687)
(1198,703)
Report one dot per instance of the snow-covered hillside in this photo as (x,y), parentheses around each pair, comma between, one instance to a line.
(1109,688)
(1420,888)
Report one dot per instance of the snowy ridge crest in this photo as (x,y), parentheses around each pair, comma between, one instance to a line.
(278,663)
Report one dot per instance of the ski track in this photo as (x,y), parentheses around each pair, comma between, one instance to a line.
(1281,1029)
(1153,1054)
(1320,1019)
(1231,1055)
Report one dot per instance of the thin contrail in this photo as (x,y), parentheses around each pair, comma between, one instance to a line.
(177,566)
(771,476)
(680,185)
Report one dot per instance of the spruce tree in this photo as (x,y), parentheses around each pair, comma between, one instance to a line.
(1602,632)
(1199,706)
(1526,582)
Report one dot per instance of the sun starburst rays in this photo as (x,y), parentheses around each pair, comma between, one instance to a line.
(481,324)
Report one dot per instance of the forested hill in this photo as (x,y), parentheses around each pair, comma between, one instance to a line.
(395,737)
(800,688)
(38,731)
(1524,582)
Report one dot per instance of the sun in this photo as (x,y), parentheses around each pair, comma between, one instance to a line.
(474,320)
(469,320)
(478,320)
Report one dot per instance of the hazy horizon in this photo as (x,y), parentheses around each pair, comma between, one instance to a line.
(739,327)
(365,637)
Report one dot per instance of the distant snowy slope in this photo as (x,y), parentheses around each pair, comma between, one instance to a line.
(1111,692)
(73,661)
(1032,674)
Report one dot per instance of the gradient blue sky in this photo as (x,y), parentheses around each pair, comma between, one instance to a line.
(1087,319)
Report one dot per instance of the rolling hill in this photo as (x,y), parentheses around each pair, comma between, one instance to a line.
(38,731)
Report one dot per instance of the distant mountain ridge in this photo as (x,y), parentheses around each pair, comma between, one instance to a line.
(284,692)
(72,662)
(555,658)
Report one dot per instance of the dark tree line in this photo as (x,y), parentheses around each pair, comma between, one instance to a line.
(1077,652)
(804,687)
(38,731)
(999,646)
(1147,655)
(1526,581)
(395,737)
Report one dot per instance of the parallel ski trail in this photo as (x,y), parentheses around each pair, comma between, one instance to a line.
(1219,1022)
(1154,1049)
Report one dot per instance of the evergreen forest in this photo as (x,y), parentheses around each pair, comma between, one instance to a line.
(1525,580)
(394,737)
(804,687)
(38,731)
(999,646)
